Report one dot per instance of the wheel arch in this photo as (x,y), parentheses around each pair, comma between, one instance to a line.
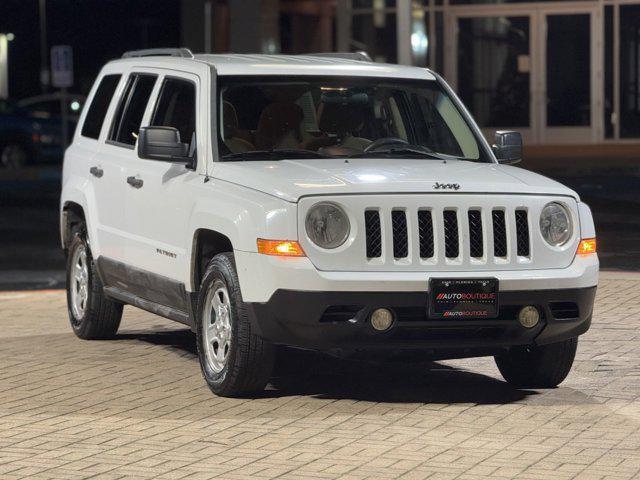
(207,243)
(73,216)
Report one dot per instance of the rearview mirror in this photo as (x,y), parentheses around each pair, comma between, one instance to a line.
(162,143)
(508,146)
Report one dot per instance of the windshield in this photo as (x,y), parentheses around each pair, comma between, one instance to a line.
(314,117)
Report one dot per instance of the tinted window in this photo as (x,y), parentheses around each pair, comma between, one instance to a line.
(98,108)
(177,108)
(131,109)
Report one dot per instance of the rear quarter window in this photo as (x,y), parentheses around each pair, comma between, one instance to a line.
(131,109)
(99,105)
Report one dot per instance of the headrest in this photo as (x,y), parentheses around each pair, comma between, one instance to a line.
(276,120)
(340,118)
(229,119)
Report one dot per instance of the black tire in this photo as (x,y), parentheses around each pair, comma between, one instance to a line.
(14,155)
(250,359)
(544,366)
(101,316)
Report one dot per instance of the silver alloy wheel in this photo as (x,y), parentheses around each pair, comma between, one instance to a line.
(79,280)
(216,324)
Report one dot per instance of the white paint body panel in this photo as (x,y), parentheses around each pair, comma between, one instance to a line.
(293,179)
(263,199)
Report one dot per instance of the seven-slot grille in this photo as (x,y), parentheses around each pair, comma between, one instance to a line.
(475,233)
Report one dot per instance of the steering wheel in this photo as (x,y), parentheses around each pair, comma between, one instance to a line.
(383,142)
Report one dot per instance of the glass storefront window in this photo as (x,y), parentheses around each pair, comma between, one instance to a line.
(494,65)
(427,37)
(479,2)
(377,38)
(629,71)
(568,70)
(420,37)
(355,4)
(609,119)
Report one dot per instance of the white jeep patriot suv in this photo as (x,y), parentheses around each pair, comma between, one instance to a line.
(322,202)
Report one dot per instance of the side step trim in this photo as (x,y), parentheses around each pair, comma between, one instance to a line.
(162,310)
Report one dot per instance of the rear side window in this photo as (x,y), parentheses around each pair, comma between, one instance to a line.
(99,105)
(177,108)
(131,109)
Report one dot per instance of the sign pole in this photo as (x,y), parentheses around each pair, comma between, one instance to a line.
(65,118)
(62,78)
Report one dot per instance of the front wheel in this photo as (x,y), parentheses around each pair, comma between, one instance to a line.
(544,366)
(233,359)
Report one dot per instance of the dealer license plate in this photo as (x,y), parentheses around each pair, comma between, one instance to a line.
(466,298)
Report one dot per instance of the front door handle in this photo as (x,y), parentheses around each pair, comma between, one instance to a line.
(135,182)
(96,172)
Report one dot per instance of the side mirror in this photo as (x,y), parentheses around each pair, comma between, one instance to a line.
(508,146)
(162,143)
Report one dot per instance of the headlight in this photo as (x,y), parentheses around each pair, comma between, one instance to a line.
(327,225)
(555,224)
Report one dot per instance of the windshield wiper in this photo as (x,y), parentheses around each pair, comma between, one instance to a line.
(274,154)
(404,150)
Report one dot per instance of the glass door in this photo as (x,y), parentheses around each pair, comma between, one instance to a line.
(534,70)
(492,71)
(568,59)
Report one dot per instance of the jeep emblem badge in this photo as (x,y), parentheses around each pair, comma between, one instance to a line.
(446,186)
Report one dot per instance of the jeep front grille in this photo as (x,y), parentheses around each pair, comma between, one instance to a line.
(476,238)
(444,233)
(451,240)
(522,232)
(373,232)
(425,233)
(476,242)
(499,234)
(400,238)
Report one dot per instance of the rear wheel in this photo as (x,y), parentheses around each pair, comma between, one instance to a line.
(544,366)
(14,156)
(92,315)
(233,359)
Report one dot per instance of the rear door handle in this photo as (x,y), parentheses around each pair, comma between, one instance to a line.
(135,182)
(96,172)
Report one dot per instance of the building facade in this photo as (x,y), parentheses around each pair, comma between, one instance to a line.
(561,72)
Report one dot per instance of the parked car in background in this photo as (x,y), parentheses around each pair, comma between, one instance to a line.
(31,129)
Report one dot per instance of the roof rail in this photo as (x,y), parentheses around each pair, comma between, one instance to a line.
(159,52)
(360,56)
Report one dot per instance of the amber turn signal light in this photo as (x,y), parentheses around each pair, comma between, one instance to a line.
(587,246)
(280,248)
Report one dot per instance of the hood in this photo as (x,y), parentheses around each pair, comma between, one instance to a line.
(293,179)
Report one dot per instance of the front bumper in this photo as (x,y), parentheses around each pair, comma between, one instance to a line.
(261,276)
(339,321)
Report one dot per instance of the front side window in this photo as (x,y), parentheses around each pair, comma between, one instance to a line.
(99,105)
(131,109)
(306,117)
(176,108)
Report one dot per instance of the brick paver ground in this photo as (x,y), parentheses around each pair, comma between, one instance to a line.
(137,407)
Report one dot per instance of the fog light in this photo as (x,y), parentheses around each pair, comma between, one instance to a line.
(529,316)
(381,319)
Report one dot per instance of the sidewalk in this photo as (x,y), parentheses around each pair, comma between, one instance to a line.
(137,407)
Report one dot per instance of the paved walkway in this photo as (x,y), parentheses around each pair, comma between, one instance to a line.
(136,407)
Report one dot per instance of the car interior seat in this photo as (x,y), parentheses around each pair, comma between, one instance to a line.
(279,126)
(233,136)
